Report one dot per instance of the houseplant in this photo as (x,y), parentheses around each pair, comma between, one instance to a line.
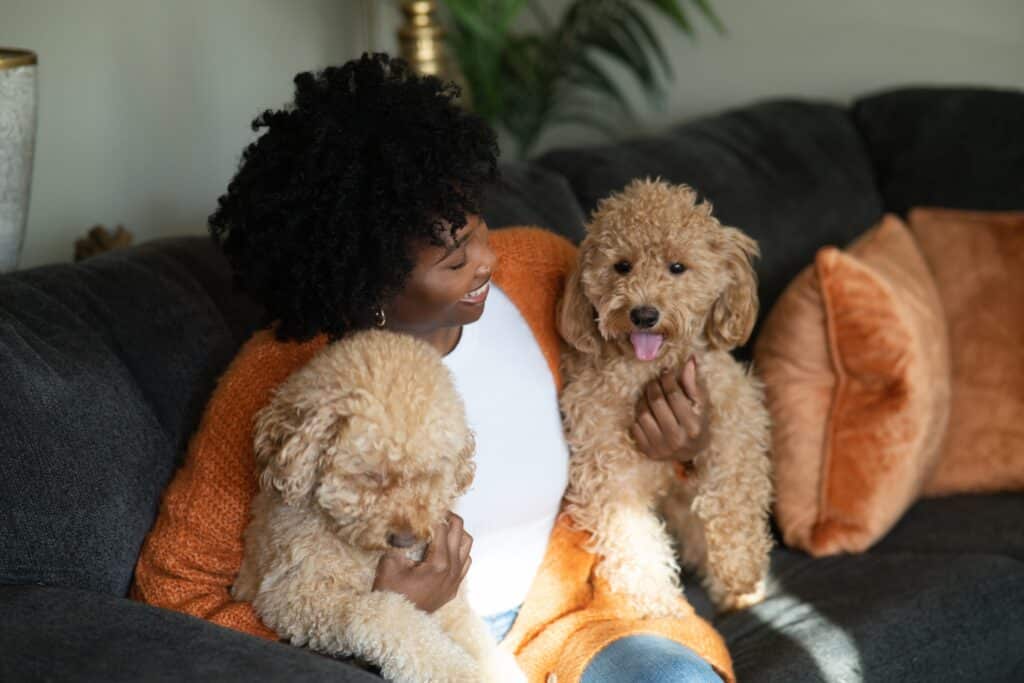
(525,81)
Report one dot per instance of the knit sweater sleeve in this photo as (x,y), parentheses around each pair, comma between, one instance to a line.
(193,552)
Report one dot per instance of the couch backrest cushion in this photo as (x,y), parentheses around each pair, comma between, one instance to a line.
(529,194)
(793,175)
(956,148)
(104,369)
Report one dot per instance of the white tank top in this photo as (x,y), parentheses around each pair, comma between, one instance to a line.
(522,460)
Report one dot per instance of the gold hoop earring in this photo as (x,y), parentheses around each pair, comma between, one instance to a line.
(379,318)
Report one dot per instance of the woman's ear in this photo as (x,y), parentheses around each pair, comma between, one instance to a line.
(576,315)
(732,316)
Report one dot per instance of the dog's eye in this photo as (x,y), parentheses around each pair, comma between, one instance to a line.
(676,268)
(623,267)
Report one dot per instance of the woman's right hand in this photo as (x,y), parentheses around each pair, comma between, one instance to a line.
(432,582)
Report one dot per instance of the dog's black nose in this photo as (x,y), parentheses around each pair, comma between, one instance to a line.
(644,316)
(402,540)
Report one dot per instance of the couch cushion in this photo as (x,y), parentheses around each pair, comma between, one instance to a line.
(896,616)
(529,194)
(977,524)
(59,634)
(104,367)
(958,148)
(978,261)
(855,360)
(792,175)
(927,603)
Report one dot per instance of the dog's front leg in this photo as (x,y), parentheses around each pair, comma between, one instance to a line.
(737,542)
(732,505)
(637,559)
(469,631)
(381,627)
(720,514)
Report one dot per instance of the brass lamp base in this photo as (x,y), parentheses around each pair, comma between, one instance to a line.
(421,43)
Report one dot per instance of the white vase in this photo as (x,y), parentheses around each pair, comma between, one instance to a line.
(18,97)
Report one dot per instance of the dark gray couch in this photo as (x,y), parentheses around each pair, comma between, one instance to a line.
(105,367)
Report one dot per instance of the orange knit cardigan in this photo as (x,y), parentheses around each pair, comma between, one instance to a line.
(192,555)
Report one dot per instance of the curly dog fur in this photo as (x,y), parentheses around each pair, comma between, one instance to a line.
(719,512)
(366,442)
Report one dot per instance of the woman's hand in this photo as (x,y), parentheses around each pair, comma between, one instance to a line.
(431,583)
(672,416)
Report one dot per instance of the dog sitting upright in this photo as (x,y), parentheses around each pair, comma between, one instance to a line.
(659,279)
(364,448)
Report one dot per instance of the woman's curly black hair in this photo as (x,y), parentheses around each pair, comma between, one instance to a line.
(319,220)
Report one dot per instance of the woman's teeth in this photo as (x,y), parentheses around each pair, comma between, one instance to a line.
(477,294)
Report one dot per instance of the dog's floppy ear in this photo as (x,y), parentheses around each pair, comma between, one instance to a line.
(288,442)
(576,315)
(732,316)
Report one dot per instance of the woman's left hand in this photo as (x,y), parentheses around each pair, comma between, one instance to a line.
(672,416)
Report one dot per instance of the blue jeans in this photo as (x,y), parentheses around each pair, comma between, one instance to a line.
(501,624)
(633,659)
(648,659)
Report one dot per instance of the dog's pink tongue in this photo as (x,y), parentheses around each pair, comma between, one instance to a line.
(645,344)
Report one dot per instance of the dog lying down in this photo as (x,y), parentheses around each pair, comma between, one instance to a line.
(363,449)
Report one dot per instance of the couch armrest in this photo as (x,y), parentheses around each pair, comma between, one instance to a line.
(62,634)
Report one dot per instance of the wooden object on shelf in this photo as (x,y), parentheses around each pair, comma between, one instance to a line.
(99,240)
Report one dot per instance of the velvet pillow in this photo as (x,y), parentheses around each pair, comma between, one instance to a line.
(855,360)
(977,259)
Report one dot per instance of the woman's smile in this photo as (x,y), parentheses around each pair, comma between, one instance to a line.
(478,295)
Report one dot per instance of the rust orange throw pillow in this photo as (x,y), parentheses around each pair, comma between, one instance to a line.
(855,359)
(977,259)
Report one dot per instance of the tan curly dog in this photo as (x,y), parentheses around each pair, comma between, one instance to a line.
(363,449)
(660,279)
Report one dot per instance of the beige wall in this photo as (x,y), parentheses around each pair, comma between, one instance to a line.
(145,104)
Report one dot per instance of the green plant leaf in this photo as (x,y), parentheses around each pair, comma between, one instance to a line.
(588,74)
(529,88)
(674,10)
(705,8)
(644,28)
(470,19)
(618,43)
(641,64)
(525,82)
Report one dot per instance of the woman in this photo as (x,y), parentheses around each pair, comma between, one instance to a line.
(358,207)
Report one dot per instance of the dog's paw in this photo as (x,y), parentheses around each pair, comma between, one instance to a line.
(731,602)
(453,666)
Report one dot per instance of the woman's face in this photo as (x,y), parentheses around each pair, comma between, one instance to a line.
(448,285)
